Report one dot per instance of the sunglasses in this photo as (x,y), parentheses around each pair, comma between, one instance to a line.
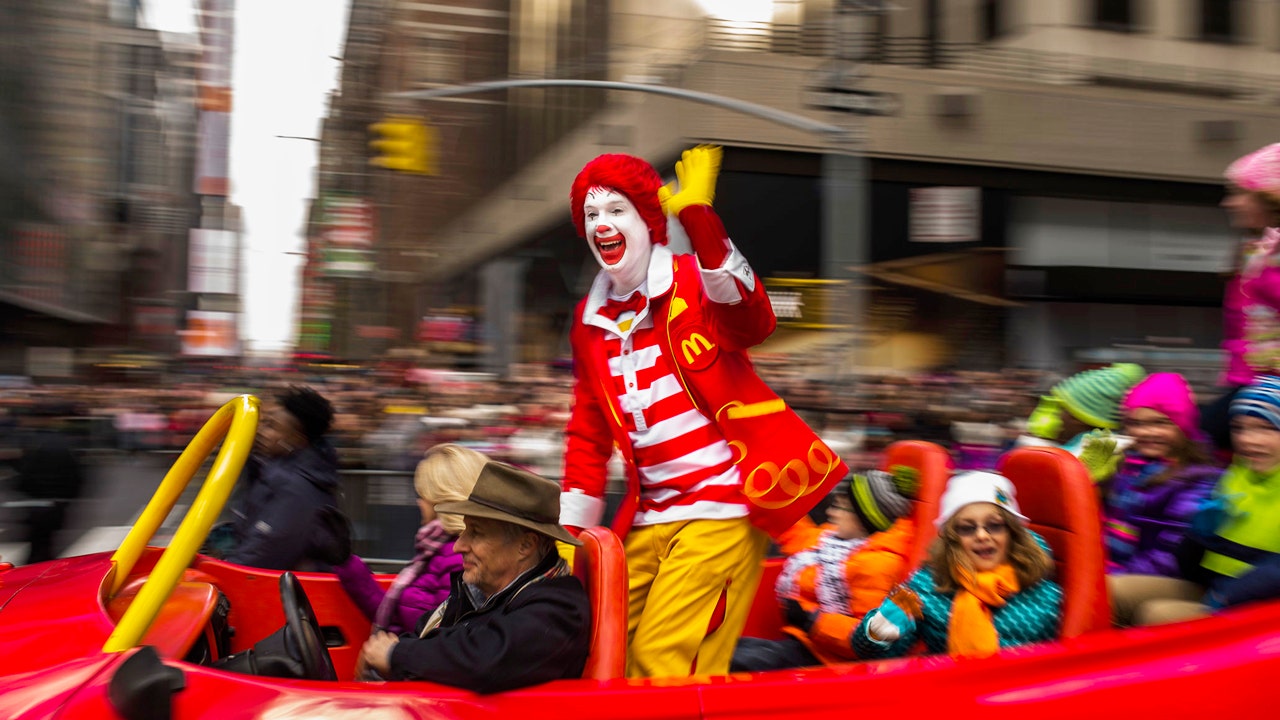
(970,529)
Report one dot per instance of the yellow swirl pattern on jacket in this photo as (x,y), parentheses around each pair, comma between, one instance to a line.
(795,479)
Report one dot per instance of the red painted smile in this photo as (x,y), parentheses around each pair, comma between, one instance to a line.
(611,249)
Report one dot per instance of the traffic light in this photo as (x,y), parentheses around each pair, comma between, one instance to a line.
(405,144)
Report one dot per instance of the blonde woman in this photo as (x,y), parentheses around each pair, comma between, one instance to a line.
(447,473)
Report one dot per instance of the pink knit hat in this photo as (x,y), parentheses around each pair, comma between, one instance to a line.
(1259,171)
(1169,395)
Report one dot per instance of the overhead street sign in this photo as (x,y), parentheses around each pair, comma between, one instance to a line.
(858,102)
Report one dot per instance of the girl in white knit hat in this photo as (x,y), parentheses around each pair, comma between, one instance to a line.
(985,585)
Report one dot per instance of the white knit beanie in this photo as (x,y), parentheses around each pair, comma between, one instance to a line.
(977,486)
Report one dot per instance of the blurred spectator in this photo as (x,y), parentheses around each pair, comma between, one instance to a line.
(1251,303)
(291,478)
(49,476)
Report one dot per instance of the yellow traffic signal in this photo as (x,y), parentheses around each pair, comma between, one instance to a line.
(405,144)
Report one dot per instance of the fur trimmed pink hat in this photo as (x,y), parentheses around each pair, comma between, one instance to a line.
(1259,171)
(1171,396)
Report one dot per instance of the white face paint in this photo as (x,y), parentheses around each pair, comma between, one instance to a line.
(618,238)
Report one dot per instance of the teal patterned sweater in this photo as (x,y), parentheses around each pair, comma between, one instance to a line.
(1029,616)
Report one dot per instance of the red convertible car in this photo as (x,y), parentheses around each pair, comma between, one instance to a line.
(137,633)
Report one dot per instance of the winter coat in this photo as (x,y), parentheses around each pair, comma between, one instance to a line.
(1251,324)
(1144,522)
(275,514)
(427,592)
(1031,615)
(1240,561)
(49,468)
(870,572)
(535,630)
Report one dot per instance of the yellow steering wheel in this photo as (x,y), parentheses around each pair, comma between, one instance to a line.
(237,421)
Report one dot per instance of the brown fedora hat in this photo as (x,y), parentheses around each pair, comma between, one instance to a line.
(509,494)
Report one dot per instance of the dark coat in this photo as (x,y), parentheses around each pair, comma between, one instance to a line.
(535,631)
(276,513)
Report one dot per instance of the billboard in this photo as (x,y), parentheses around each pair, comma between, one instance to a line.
(217,32)
(945,214)
(210,334)
(211,264)
(346,236)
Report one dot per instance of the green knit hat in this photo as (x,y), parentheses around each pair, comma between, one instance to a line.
(1093,396)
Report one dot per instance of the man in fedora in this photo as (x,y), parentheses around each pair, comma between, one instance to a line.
(516,615)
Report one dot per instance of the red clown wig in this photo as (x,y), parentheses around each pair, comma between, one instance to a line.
(630,176)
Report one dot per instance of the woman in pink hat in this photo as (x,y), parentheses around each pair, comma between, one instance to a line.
(1162,478)
(1251,305)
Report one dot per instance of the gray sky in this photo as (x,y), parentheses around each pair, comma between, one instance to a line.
(283,71)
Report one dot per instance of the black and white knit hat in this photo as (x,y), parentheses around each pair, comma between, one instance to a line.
(879,498)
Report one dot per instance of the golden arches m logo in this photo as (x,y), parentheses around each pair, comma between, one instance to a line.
(770,486)
(693,346)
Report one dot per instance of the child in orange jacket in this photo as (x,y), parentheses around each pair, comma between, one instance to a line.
(836,573)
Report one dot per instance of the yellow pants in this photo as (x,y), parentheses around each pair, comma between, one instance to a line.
(679,571)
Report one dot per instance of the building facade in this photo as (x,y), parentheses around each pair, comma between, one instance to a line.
(1024,183)
(97,129)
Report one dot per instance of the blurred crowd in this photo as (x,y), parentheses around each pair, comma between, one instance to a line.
(385,419)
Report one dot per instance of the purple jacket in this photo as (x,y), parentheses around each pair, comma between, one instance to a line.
(1251,324)
(425,594)
(1144,523)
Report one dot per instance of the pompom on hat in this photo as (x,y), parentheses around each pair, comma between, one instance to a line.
(1093,396)
(879,498)
(1259,171)
(1260,399)
(977,486)
(628,175)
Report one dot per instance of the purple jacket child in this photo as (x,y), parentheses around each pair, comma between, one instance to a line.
(1146,521)
(418,589)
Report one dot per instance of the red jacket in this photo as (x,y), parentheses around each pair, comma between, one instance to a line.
(785,467)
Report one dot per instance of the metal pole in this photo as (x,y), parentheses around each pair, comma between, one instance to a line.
(781,117)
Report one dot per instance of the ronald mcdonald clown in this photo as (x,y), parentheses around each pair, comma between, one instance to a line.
(713,457)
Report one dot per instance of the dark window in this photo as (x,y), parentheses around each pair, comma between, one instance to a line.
(1113,15)
(992,27)
(1216,21)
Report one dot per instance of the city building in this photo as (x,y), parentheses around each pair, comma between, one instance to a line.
(990,182)
(98,132)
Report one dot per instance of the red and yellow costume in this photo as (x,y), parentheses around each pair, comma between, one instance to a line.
(711,453)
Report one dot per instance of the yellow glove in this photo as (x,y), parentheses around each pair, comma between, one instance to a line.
(1099,456)
(1046,421)
(696,174)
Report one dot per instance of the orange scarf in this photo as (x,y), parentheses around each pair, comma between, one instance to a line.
(972,632)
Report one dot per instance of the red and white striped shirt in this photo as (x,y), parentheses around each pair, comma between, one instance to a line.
(685,466)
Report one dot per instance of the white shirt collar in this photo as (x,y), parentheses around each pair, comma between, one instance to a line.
(658,281)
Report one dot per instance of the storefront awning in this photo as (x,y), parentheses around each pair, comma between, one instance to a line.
(975,275)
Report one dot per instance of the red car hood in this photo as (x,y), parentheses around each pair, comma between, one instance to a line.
(56,620)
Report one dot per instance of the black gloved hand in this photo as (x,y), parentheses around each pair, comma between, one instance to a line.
(797,616)
(331,541)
